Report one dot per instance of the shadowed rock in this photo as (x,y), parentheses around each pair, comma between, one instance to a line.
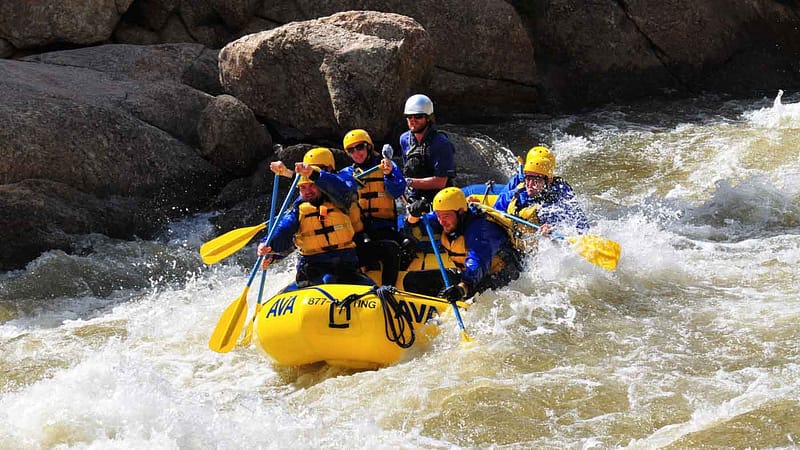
(37,23)
(110,132)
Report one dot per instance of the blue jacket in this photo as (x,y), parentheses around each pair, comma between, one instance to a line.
(482,239)
(395,185)
(342,190)
(439,157)
(557,204)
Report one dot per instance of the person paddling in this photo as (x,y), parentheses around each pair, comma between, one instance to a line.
(322,229)
(540,197)
(480,248)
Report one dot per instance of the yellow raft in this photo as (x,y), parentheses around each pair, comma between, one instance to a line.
(347,326)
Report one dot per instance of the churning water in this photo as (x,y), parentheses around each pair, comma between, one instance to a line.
(693,341)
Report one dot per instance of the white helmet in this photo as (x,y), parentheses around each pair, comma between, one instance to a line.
(419,104)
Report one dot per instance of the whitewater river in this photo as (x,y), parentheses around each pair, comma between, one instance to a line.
(693,341)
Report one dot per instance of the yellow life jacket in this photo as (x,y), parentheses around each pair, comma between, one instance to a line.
(528,213)
(323,229)
(457,248)
(373,200)
(355,218)
(457,251)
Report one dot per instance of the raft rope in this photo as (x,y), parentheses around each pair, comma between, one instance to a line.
(397,323)
(397,319)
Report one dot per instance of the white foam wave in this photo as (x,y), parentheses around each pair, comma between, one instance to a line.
(779,115)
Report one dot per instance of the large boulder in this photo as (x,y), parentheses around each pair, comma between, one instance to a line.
(112,132)
(614,51)
(350,70)
(41,215)
(231,137)
(484,58)
(27,24)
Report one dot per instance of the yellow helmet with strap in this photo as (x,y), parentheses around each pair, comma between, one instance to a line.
(356,136)
(320,156)
(450,199)
(540,160)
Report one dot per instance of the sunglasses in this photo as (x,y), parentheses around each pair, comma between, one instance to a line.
(416,116)
(541,178)
(361,146)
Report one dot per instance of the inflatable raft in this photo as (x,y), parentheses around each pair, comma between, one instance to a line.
(351,326)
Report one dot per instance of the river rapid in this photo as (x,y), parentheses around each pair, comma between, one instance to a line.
(694,340)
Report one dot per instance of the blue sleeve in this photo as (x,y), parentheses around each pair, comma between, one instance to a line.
(342,189)
(395,182)
(565,209)
(283,237)
(405,145)
(503,200)
(515,181)
(347,171)
(443,156)
(483,239)
(436,227)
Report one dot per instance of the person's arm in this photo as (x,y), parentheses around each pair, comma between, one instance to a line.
(394,182)
(503,200)
(427,183)
(283,237)
(483,239)
(515,181)
(564,209)
(342,189)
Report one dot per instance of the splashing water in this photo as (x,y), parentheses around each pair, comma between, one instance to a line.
(692,342)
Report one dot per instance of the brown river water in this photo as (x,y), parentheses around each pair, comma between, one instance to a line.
(692,342)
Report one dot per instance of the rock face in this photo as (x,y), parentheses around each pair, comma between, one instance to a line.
(230,136)
(37,23)
(350,70)
(116,138)
(490,56)
(612,51)
(484,58)
(105,139)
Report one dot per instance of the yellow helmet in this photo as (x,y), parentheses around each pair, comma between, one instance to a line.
(540,160)
(356,136)
(450,199)
(319,156)
(304,180)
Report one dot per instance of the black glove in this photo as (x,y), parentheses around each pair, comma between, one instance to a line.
(453,293)
(419,207)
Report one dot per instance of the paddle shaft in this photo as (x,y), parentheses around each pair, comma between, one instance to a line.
(445,280)
(275,183)
(248,332)
(530,224)
(489,185)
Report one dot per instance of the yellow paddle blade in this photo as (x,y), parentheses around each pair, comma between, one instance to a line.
(597,250)
(223,246)
(248,332)
(465,337)
(230,325)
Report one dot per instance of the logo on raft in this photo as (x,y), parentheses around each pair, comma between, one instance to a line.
(421,313)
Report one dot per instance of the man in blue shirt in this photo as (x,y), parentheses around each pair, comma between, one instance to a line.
(428,155)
